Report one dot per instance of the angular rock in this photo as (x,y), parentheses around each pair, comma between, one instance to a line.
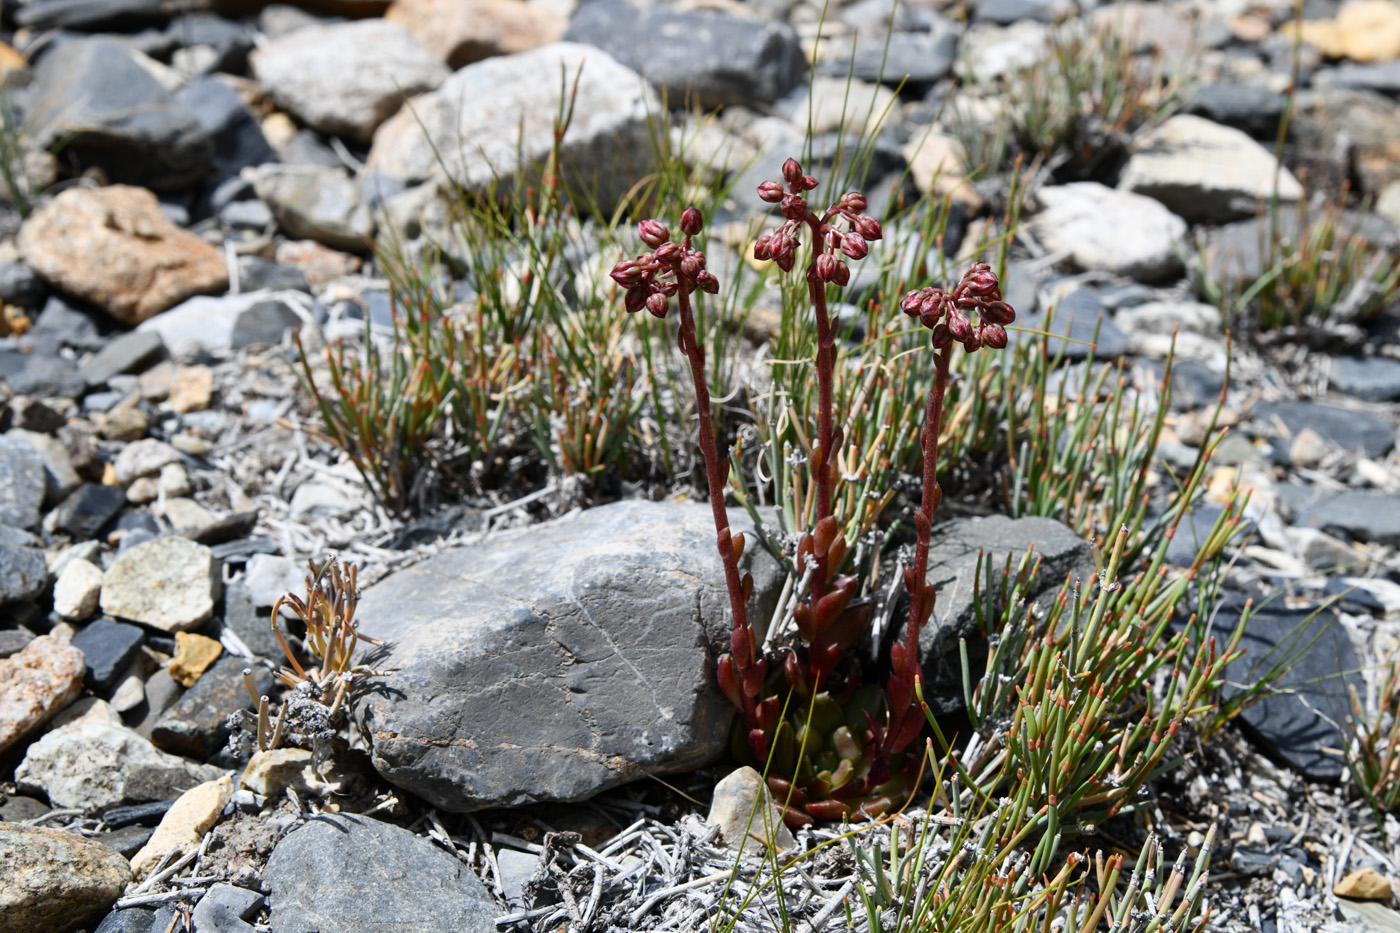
(54,880)
(267,322)
(21,285)
(1294,722)
(124,353)
(60,477)
(184,826)
(1350,430)
(1364,31)
(487,116)
(346,79)
(417,886)
(1195,327)
(170,584)
(1374,379)
(108,647)
(244,619)
(1113,231)
(23,572)
(29,414)
(1080,318)
(225,907)
(271,772)
(105,110)
(1365,884)
(952,569)
(136,262)
(915,59)
(193,656)
(127,920)
(91,14)
(738,809)
(197,725)
(460,32)
(22,492)
(1370,122)
(583,658)
(316,203)
(1382,77)
(75,595)
(95,761)
(1361,516)
(726,59)
(204,325)
(35,685)
(988,51)
(1252,108)
(85,512)
(142,458)
(1203,171)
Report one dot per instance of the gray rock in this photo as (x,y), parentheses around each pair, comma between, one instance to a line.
(243,618)
(1350,430)
(56,880)
(1237,254)
(91,14)
(725,60)
(95,761)
(143,458)
(1082,320)
(108,647)
(197,725)
(105,110)
(22,492)
(86,510)
(952,570)
(1361,516)
(23,572)
(417,886)
(41,373)
(13,640)
(917,59)
(569,658)
(346,78)
(60,477)
(1203,171)
(1252,108)
(238,139)
(169,583)
(127,920)
(67,326)
(1006,12)
(489,115)
(267,322)
(1196,326)
(130,352)
(225,908)
(269,576)
(204,325)
(246,215)
(1295,721)
(1376,379)
(256,273)
(989,51)
(315,203)
(1112,231)
(26,413)
(20,285)
(1370,76)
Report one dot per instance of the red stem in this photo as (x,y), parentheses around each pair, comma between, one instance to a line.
(826,368)
(716,476)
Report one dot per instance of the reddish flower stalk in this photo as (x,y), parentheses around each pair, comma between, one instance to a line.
(947,314)
(824,544)
(651,280)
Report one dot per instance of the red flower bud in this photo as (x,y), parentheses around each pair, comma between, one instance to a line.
(792,172)
(808,182)
(997,312)
(853,201)
(868,227)
(668,252)
(994,336)
(626,273)
(691,264)
(653,233)
(635,299)
(794,207)
(657,304)
(929,319)
(762,246)
(826,267)
(707,283)
(842,274)
(786,261)
(853,245)
(692,221)
(771,191)
(959,326)
(940,337)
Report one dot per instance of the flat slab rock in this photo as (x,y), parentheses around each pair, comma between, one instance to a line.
(353,874)
(559,661)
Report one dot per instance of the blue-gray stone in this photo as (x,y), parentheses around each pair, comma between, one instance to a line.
(127,920)
(226,908)
(22,482)
(1376,379)
(724,60)
(914,59)
(21,285)
(1079,326)
(415,885)
(1253,108)
(87,509)
(238,139)
(1350,430)
(90,14)
(104,110)
(264,323)
(130,352)
(108,647)
(258,274)
(1361,516)
(23,572)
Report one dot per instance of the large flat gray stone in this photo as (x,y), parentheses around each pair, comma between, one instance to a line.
(559,661)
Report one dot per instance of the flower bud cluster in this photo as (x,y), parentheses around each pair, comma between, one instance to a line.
(653,278)
(949,314)
(851,242)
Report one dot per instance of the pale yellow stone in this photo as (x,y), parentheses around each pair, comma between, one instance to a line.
(936,163)
(1368,31)
(193,655)
(1365,884)
(191,389)
(271,772)
(184,825)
